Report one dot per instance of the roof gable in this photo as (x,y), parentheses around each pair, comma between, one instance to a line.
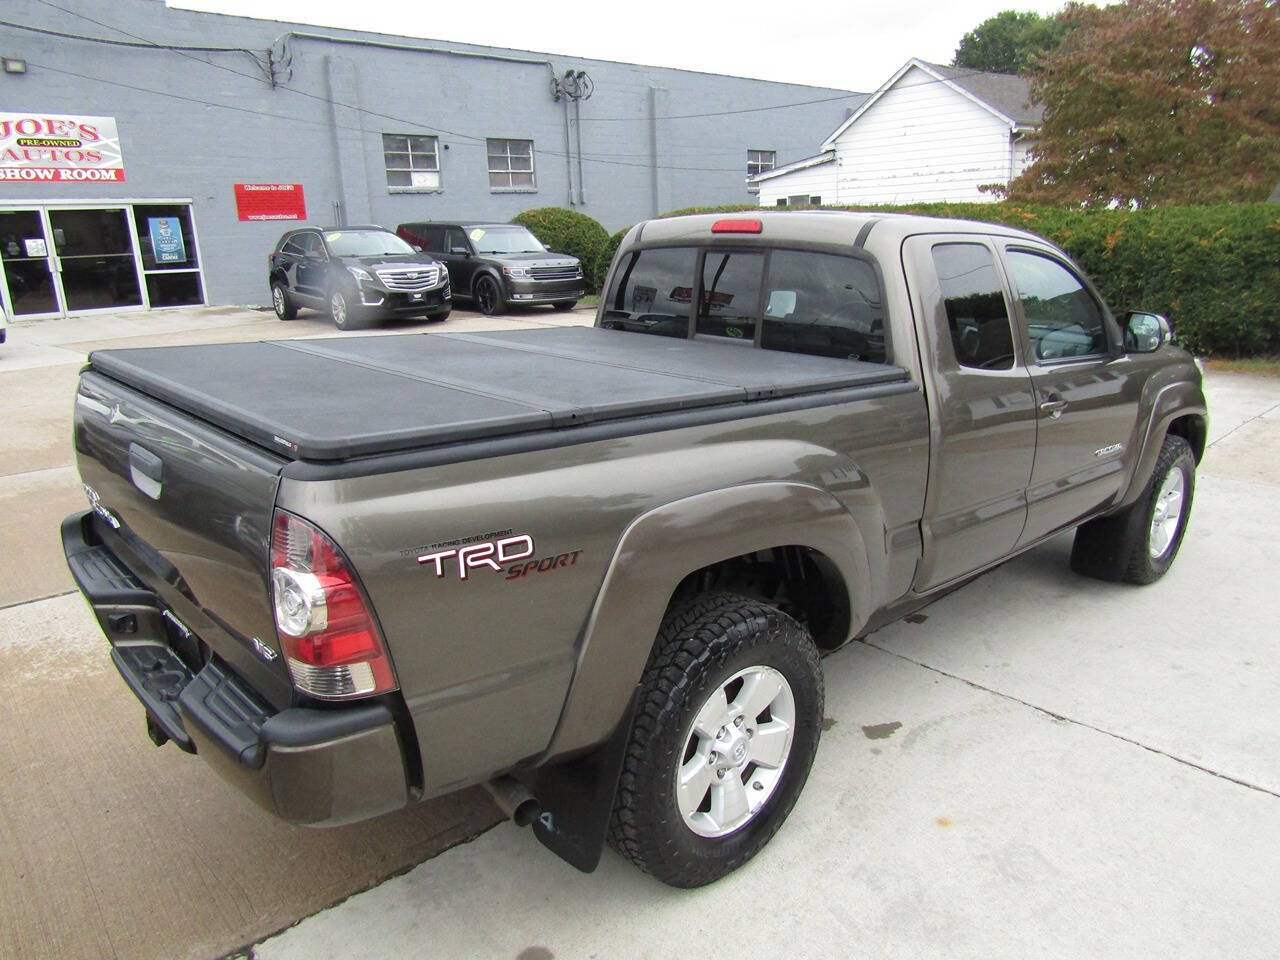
(1003,95)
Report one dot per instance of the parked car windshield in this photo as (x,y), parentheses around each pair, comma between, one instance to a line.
(365,243)
(504,240)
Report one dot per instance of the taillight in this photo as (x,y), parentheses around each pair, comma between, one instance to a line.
(330,641)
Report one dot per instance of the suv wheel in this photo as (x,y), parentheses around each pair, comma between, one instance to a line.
(727,726)
(281,303)
(342,311)
(565,305)
(489,297)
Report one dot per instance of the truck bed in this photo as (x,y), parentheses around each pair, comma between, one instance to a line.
(336,399)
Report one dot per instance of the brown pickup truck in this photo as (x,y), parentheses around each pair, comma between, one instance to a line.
(595,568)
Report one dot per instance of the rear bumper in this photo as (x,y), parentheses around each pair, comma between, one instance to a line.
(308,766)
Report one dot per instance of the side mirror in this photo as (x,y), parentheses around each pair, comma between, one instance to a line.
(416,248)
(461,251)
(1146,332)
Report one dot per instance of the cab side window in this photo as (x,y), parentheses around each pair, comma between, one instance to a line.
(652,291)
(977,316)
(824,305)
(1063,319)
(292,246)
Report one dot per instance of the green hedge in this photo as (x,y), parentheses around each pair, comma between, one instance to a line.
(567,231)
(1214,271)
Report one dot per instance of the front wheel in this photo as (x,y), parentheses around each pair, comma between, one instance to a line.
(489,297)
(343,311)
(565,306)
(726,729)
(1138,544)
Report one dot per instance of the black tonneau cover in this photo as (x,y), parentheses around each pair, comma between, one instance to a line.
(333,399)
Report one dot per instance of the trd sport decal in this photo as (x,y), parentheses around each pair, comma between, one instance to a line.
(490,553)
(493,555)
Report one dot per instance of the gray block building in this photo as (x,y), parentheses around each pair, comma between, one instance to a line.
(151,157)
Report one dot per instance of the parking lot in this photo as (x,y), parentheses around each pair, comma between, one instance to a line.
(1037,764)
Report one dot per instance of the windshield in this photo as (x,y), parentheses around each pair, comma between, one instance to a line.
(504,240)
(365,243)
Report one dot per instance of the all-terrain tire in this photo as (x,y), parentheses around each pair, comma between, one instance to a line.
(1120,547)
(702,644)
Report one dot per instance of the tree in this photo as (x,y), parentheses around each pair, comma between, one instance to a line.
(1159,101)
(1009,42)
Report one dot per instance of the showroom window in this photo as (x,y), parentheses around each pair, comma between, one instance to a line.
(511,165)
(760,161)
(413,162)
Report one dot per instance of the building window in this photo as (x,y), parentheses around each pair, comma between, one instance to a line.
(413,163)
(761,161)
(782,201)
(511,165)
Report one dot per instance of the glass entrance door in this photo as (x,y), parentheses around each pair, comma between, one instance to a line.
(94,255)
(26,264)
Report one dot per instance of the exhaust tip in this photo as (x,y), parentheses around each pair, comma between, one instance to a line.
(514,800)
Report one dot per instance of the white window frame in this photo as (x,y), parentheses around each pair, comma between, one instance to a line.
(420,162)
(507,171)
(756,162)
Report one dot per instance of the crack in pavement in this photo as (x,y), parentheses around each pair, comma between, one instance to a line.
(1238,426)
(1079,723)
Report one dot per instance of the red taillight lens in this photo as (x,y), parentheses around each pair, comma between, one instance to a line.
(737,226)
(330,641)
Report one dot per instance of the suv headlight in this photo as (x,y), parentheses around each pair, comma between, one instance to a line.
(360,274)
(515,271)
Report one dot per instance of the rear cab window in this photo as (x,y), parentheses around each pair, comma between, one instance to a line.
(977,315)
(797,301)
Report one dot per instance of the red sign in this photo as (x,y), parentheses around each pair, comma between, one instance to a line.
(270,201)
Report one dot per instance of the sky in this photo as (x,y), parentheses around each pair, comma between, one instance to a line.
(851,45)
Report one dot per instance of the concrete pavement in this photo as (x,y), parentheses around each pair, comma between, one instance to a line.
(1075,769)
(1038,765)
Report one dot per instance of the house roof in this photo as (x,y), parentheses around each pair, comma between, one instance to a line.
(815,161)
(1007,92)
(1004,95)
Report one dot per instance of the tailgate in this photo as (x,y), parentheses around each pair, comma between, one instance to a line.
(188,509)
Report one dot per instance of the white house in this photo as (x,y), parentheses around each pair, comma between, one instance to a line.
(929,133)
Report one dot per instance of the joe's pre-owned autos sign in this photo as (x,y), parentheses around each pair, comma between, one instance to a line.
(52,147)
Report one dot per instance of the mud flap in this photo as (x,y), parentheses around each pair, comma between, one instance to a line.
(576,797)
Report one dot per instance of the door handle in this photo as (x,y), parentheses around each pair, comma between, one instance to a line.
(1053,407)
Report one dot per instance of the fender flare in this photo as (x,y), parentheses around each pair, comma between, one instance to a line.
(1172,402)
(659,549)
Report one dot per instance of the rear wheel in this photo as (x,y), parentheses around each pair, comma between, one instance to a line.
(1138,544)
(725,732)
(281,302)
(489,297)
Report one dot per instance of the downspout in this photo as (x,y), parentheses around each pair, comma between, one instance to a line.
(568,154)
(653,148)
(577,129)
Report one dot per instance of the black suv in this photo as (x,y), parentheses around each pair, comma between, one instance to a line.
(357,274)
(497,264)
